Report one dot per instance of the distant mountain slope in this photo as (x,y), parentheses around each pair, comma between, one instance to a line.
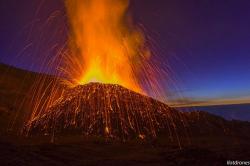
(229,112)
(15,85)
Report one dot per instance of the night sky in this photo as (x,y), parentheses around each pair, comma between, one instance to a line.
(205,42)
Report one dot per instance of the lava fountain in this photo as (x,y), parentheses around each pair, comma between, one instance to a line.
(104,44)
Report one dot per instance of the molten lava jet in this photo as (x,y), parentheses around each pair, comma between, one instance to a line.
(104,44)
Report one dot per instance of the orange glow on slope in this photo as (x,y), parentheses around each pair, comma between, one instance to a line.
(104,44)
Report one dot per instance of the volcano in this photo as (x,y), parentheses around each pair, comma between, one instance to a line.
(112,111)
(107,110)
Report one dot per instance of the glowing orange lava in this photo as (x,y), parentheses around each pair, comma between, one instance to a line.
(104,44)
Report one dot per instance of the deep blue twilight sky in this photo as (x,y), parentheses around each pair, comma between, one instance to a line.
(206,42)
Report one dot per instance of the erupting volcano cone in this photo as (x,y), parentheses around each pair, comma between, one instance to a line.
(106,110)
(112,111)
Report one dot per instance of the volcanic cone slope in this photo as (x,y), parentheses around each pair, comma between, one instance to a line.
(113,111)
(105,110)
